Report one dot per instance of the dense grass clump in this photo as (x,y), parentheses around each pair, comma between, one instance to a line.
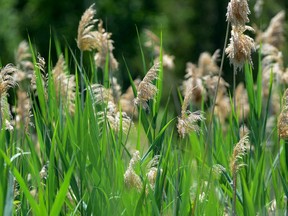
(71,144)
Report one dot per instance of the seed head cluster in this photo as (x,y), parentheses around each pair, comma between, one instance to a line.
(241,46)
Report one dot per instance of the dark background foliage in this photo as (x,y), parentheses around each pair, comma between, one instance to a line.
(189,27)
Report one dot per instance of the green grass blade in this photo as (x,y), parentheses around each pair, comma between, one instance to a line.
(9,196)
(60,198)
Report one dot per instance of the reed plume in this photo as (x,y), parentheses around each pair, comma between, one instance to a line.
(23,111)
(236,163)
(240,47)
(202,77)
(131,179)
(6,82)
(64,84)
(86,37)
(146,90)
(153,42)
(188,121)
(24,64)
(274,34)
(283,118)
(126,100)
(237,12)
(117,120)
(104,46)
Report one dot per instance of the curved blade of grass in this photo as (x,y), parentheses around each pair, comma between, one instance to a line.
(60,198)
(158,137)
(248,206)
(8,208)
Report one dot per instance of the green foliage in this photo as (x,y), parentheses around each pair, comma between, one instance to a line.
(76,163)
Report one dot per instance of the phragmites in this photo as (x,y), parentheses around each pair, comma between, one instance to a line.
(283,118)
(6,81)
(6,78)
(242,102)
(23,63)
(64,84)
(86,37)
(126,100)
(239,151)
(258,7)
(236,163)
(188,122)
(237,12)
(104,46)
(274,34)
(100,40)
(153,42)
(146,89)
(240,46)
(202,78)
(117,120)
(131,179)
(23,111)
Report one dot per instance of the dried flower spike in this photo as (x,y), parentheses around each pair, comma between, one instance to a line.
(131,179)
(104,46)
(237,12)
(239,151)
(274,34)
(283,118)
(64,84)
(6,78)
(240,47)
(188,122)
(86,37)
(146,90)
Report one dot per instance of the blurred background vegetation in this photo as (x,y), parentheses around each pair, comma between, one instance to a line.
(189,27)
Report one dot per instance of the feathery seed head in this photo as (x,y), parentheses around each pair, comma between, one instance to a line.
(6,78)
(146,90)
(240,47)
(283,118)
(274,34)
(131,179)
(237,12)
(104,47)
(23,111)
(64,84)
(188,122)
(23,62)
(86,39)
(239,151)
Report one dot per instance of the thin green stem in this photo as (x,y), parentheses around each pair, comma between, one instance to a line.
(81,80)
(234,87)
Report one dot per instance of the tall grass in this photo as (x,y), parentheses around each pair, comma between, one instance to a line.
(74,163)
